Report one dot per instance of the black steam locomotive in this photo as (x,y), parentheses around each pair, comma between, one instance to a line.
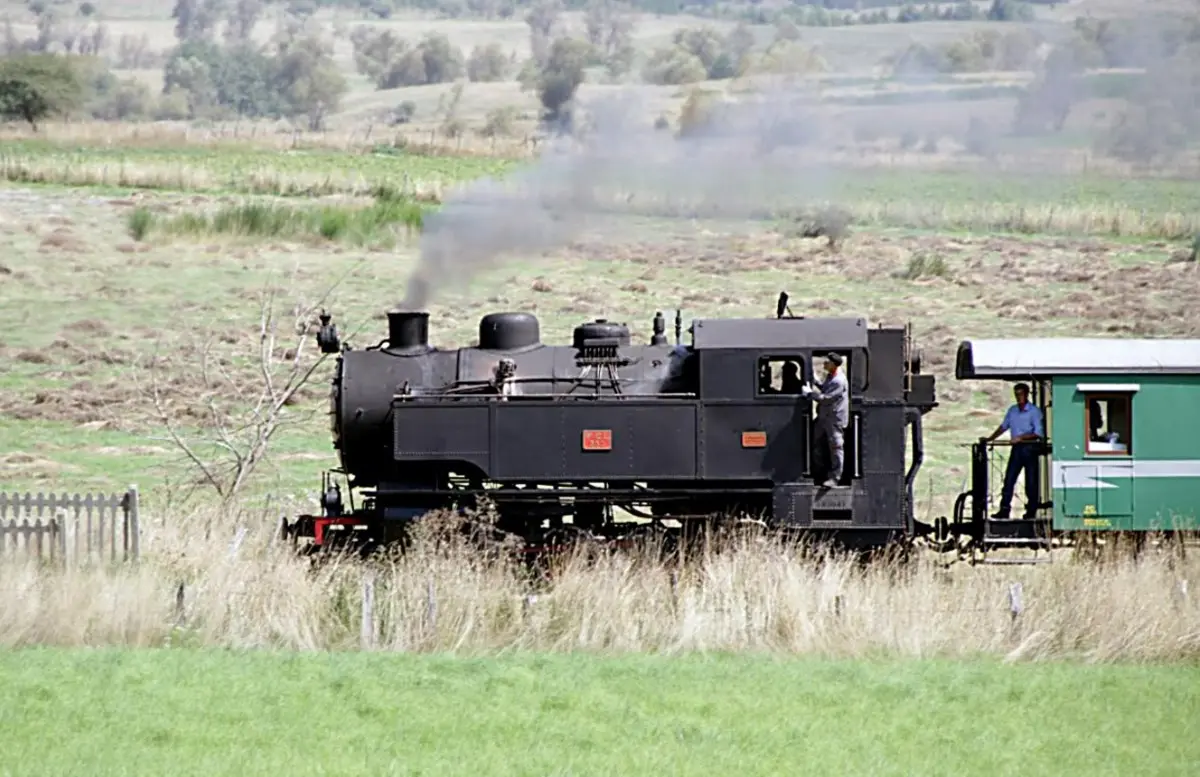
(564,438)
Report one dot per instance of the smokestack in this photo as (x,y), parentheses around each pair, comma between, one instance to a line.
(408,331)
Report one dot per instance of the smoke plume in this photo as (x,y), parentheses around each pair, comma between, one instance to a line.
(736,164)
(760,154)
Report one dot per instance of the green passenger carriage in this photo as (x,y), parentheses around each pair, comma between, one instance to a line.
(1122,445)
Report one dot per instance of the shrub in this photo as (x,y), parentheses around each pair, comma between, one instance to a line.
(830,222)
(35,86)
(140,222)
(924,265)
(673,66)
(487,63)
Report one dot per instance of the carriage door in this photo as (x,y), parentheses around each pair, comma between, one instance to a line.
(1043,397)
(1108,456)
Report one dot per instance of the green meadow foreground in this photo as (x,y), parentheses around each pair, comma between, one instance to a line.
(183,712)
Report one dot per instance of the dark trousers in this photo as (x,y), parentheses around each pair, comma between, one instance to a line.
(1023,458)
(829,447)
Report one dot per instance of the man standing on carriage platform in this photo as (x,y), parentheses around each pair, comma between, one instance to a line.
(1023,422)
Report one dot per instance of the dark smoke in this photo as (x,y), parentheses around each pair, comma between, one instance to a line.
(738,165)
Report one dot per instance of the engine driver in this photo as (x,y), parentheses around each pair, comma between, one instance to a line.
(833,414)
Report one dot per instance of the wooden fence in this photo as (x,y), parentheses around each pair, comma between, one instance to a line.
(76,527)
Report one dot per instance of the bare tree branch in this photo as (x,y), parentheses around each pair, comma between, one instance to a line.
(242,410)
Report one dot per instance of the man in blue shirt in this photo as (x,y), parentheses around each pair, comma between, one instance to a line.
(1023,422)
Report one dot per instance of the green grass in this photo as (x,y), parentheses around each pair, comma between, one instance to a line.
(373,224)
(259,171)
(182,712)
(933,187)
(235,170)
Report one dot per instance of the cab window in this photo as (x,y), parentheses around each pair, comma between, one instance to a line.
(780,376)
(1108,424)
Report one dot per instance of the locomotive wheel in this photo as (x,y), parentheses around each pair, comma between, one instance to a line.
(650,541)
(560,546)
(942,539)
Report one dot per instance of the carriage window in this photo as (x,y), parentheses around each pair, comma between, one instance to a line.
(1109,424)
(780,376)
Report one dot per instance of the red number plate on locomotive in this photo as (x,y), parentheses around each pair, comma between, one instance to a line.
(754,439)
(597,439)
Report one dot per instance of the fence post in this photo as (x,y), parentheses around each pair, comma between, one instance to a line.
(61,523)
(431,607)
(179,604)
(132,525)
(367,627)
(1016,606)
(236,544)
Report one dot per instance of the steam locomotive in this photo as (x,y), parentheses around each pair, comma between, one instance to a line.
(603,436)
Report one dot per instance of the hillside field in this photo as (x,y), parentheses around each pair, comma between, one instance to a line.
(98,303)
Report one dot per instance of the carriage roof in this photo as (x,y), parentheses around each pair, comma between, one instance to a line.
(1041,357)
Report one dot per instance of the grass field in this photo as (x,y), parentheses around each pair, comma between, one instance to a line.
(226,713)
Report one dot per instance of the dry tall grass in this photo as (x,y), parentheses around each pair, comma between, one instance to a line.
(181,178)
(417,138)
(751,596)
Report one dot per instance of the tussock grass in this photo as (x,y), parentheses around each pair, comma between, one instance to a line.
(750,595)
(924,265)
(373,224)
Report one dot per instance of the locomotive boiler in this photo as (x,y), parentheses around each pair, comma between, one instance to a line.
(603,435)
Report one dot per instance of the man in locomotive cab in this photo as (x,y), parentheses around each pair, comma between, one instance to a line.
(833,414)
(1023,422)
(791,379)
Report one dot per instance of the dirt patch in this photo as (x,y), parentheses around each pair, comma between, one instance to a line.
(25,465)
(34,357)
(133,248)
(62,240)
(126,450)
(91,326)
